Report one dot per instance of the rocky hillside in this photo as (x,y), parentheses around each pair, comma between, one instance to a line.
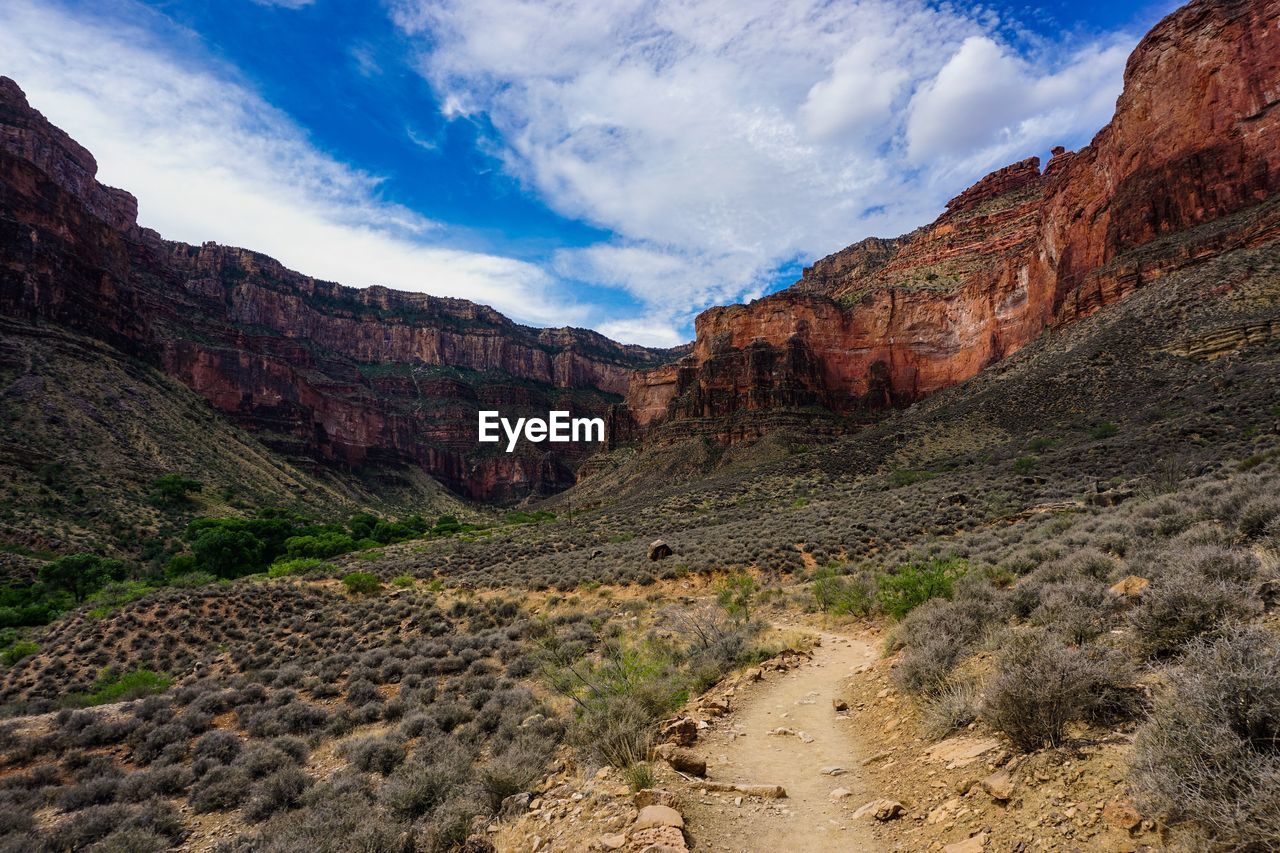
(1178,176)
(349,376)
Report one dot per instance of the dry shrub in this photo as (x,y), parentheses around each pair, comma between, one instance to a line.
(1210,754)
(1041,685)
(950,709)
(1183,605)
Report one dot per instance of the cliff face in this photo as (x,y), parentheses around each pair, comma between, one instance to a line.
(348,376)
(1179,175)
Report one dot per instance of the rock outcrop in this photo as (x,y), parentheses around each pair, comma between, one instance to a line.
(1182,173)
(353,377)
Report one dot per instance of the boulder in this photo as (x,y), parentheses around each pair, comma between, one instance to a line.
(659,550)
(681,732)
(960,751)
(514,806)
(682,760)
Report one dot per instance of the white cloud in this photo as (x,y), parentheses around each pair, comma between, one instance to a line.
(209,160)
(718,140)
(987,104)
(286,4)
(722,139)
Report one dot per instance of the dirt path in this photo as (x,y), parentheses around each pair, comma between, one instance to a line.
(741,749)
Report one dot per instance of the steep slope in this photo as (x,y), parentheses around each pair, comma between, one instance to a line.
(85,431)
(887,322)
(349,376)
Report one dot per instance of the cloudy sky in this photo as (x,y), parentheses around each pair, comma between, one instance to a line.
(614,164)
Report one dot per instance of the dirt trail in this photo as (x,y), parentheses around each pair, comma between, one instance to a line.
(741,749)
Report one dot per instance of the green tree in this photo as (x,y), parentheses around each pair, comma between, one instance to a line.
(174,490)
(229,553)
(80,574)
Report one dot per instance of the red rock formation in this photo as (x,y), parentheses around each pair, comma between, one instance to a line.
(342,374)
(1180,174)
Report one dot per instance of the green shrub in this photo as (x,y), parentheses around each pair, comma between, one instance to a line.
(295,566)
(639,776)
(361,583)
(842,595)
(121,687)
(1024,464)
(319,546)
(906,477)
(181,564)
(17,651)
(736,593)
(403,581)
(916,583)
(1106,429)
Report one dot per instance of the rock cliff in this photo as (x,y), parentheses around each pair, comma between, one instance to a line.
(1180,175)
(318,370)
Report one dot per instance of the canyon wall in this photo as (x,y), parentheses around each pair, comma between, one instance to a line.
(1180,174)
(318,370)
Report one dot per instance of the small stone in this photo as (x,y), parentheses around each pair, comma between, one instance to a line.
(1122,814)
(973,844)
(833,771)
(613,841)
(840,705)
(841,794)
(654,797)
(881,810)
(999,785)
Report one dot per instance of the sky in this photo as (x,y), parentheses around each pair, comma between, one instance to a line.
(618,165)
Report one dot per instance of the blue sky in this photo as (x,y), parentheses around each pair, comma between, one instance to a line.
(618,164)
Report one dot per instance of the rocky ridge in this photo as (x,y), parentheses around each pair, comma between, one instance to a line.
(342,375)
(1178,176)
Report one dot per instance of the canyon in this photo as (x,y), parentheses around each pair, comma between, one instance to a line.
(354,379)
(345,376)
(1182,173)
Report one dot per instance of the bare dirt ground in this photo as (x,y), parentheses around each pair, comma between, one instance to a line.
(809,741)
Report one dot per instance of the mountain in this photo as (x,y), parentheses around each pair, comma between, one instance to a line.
(1183,173)
(349,377)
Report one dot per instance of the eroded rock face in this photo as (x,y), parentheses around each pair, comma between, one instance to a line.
(350,376)
(1183,172)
